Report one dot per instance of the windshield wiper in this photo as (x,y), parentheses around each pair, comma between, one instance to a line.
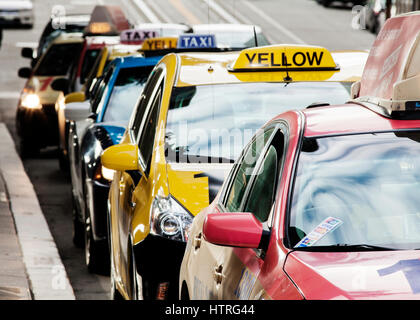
(344,247)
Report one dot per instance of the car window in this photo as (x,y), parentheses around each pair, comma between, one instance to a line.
(125,93)
(149,87)
(262,195)
(99,93)
(147,137)
(58,59)
(88,63)
(246,166)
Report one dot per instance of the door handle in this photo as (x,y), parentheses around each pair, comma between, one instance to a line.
(197,241)
(218,274)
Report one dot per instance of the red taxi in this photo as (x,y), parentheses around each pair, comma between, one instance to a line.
(323,203)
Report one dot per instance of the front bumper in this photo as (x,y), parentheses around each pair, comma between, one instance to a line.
(38,126)
(160,259)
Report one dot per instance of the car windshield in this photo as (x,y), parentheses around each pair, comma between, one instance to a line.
(214,122)
(357,190)
(127,88)
(58,59)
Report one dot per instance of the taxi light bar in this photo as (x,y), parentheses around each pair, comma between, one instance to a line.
(404,103)
(284,58)
(196,41)
(160,43)
(135,36)
(99,28)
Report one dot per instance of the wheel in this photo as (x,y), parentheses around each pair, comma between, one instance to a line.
(63,162)
(78,229)
(114,293)
(136,280)
(96,252)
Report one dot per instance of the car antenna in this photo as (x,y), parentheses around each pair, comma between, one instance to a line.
(255,37)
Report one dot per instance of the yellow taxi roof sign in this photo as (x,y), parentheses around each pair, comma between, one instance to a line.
(160,43)
(284,58)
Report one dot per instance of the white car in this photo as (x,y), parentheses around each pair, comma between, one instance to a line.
(14,12)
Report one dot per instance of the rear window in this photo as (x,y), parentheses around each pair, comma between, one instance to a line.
(58,59)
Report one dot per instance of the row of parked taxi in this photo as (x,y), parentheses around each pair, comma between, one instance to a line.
(207,163)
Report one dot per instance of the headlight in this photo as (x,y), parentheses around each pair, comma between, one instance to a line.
(108,174)
(31,101)
(169,219)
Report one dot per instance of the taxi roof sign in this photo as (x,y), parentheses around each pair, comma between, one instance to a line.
(160,43)
(196,41)
(391,78)
(284,58)
(107,20)
(137,36)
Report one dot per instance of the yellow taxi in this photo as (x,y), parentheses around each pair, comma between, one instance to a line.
(36,117)
(196,113)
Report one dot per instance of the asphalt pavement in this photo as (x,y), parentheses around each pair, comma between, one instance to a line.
(283,21)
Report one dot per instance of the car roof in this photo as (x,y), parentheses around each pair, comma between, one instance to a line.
(212,68)
(350,119)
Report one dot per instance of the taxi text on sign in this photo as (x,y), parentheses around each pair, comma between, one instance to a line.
(285,57)
(388,57)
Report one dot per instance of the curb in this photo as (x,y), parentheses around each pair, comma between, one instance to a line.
(46,273)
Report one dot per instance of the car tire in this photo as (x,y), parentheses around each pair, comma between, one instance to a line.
(63,162)
(96,253)
(136,280)
(78,229)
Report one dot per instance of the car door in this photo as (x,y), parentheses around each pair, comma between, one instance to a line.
(240,267)
(146,109)
(207,265)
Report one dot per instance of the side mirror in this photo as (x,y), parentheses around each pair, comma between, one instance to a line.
(75,97)
(121,157)
(61,84)
(24,72)
(233,229)
(27,53)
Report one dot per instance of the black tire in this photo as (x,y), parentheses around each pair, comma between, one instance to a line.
(78,230)
(63,162)
(96,253)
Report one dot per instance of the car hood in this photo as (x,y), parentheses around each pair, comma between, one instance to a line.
(356,275)
(15,5)
(195,185)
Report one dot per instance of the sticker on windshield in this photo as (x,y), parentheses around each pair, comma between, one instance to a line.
(319,232)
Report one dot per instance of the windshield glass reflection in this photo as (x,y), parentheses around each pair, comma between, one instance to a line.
(367,184)
(212,123)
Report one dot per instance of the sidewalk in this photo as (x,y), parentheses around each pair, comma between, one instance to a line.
(30,265)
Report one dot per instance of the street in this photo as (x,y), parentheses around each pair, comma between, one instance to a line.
(283,21)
